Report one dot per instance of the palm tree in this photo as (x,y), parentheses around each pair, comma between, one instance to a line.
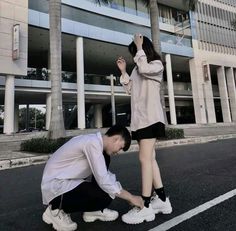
(56,128)
(155,33)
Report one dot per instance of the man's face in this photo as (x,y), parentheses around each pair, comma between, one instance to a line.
(116,144)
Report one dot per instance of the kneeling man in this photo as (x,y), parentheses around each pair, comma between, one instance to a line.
(76,178)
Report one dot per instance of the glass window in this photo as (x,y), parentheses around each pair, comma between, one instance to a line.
(118,4)
(142,9)
(130,6)
(165,14)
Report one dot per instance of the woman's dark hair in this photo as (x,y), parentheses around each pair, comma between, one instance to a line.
(123,132)
(148,49)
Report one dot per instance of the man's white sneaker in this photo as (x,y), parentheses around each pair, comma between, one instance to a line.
(105,215)
(160,206)
(59,219)
(137,215)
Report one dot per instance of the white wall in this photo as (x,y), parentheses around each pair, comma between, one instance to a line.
(13,12)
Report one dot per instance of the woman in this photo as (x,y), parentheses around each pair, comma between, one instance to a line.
(147,124)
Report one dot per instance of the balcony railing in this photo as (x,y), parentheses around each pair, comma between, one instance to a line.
(176,40)
(68,77)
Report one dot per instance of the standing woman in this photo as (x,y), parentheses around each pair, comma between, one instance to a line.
(147,124)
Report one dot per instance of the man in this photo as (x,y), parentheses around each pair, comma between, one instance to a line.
(67,186)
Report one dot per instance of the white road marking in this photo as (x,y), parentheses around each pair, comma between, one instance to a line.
(193,212)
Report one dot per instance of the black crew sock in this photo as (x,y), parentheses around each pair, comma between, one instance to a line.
(161,193)
(146,201)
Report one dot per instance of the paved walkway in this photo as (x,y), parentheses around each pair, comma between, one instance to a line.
(11,157)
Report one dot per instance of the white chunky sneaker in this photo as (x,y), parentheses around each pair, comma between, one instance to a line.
(59,219)
(160,206)
(105,215)
(137,215)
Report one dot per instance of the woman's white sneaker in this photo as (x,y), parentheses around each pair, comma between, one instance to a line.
(60,220)
(137,215)
(105,215)
(160,206)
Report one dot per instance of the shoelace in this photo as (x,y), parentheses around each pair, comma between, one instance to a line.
(134,210)
(152,198)
(65,216)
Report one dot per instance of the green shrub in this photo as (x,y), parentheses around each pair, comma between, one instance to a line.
(43,145)
(174,133)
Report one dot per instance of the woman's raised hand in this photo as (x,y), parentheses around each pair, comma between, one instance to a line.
(138,40)
(121,64)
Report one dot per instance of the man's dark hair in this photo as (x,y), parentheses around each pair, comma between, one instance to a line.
(123,132)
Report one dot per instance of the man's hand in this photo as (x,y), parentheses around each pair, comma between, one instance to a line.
(137,201)
(133,199)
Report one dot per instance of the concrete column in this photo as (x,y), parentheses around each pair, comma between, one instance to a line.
(232,91)
(170,90)
(48,110)
(198,96)
(16,118)
(98,115)
(208,97)
(80,82)
(9,105)
(224,99)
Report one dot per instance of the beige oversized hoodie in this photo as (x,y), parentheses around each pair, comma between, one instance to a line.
(144,86)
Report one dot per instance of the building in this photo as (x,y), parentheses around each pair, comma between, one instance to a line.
(199,49)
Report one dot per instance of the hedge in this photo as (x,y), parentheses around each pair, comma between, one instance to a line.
(44,145)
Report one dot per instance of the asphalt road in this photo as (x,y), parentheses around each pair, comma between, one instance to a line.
(192,174)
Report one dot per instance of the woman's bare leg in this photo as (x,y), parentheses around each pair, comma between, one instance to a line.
(146,147)
(157,181)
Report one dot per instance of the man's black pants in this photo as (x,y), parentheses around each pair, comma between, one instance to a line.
(88,196)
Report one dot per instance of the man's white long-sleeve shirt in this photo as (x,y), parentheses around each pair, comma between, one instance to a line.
(73,163)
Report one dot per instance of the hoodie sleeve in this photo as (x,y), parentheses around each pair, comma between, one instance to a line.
(126,83)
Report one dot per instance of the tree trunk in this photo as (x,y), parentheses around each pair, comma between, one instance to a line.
(156,35)
(56,128)
(155,30)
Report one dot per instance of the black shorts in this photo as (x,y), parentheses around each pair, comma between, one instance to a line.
(156,130)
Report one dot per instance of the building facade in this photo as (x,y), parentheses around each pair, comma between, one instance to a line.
(198,47)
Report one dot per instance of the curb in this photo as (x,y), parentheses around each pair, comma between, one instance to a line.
(41,159)
(23,162)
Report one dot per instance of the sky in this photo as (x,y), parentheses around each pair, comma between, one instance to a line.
(39,107)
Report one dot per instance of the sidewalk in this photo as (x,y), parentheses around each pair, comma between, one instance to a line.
(10,157)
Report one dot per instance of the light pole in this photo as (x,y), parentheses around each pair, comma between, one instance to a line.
(35,118)
(113,107)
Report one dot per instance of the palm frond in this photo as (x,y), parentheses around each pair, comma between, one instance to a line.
(146,2)
(192,4)
(103,1)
